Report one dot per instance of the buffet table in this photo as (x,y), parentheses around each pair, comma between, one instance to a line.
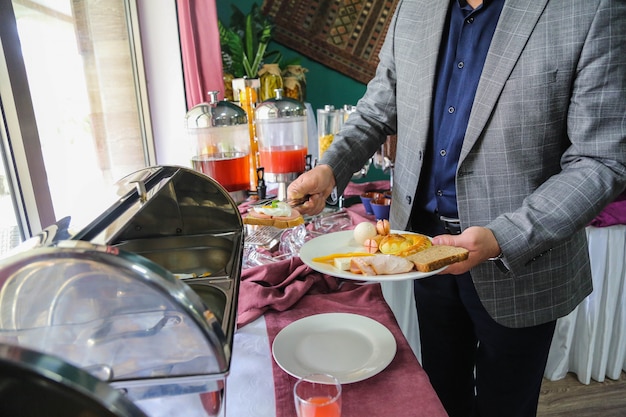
(591,341)
(275,295)
(302,292)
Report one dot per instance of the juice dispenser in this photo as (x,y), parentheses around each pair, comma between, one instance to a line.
(220,140)
(281,128)
(329,122)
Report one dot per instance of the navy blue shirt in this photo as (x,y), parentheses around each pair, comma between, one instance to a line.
(463,52)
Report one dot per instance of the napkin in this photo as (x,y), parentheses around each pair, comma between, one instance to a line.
(278,286)
(614,213)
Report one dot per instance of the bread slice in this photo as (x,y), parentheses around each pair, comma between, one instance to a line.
(259,221)
(437,256)
(281,222)
(288,222)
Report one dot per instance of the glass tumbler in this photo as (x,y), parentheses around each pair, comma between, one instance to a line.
(317,395)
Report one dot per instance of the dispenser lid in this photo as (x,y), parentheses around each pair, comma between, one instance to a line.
(329,109)
(215,114)
(279,107)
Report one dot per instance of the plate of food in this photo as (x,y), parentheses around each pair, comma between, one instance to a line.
(349,346)
(378,254)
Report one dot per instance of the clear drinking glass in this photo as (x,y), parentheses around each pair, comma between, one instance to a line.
(317,395)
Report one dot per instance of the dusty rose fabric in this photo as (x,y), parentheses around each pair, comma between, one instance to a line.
(401,389)
(278,286)
(200,49)
(356,189)
(614,213)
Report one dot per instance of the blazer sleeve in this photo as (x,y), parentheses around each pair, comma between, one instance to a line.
(593,166)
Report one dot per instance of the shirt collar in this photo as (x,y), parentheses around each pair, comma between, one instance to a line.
(465,6)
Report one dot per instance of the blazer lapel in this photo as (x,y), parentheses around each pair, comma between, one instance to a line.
(517,20)
(430,40)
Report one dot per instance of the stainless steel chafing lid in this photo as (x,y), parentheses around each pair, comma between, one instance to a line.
(215,114)
(113,313)
(279,107)
(163,201)
(38,384)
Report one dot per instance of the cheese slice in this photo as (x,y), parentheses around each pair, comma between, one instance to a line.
(342,264)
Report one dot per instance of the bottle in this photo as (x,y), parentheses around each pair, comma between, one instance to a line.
(248,97)
(298,72)
(271,80)
(228,87)
(292,88)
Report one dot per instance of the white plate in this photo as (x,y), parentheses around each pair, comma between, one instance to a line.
(349,346)
(343,242)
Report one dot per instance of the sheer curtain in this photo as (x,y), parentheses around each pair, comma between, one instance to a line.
(200,46)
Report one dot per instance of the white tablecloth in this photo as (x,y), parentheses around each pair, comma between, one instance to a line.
(249,385)
(591,340)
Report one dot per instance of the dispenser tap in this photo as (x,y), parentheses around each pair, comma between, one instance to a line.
(260,188)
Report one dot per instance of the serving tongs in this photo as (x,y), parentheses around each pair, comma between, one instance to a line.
(293,202)
(297,202)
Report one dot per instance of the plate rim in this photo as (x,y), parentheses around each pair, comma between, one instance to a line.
(331,270)
(334,318)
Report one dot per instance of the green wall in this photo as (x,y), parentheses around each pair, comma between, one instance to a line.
(324,85)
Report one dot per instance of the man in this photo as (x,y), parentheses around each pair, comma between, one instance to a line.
(511,125)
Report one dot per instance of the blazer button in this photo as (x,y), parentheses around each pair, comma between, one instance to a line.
(408,199)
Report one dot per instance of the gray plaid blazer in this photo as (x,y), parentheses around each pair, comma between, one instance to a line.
(545,147)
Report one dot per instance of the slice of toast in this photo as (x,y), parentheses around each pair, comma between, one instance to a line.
(437,256)
(281,222)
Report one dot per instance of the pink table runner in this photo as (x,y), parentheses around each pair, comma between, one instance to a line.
(402,389)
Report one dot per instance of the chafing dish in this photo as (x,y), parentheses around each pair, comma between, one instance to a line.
(35,384)
(144,296)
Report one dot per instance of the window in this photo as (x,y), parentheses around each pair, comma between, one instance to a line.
(74,108)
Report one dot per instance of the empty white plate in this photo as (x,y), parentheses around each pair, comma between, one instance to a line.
(349,346)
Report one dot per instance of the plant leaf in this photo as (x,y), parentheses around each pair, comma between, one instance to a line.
(232,49)
(272,57)
(251,43)
(253,31)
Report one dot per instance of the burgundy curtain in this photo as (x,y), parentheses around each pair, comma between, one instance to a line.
(200,46)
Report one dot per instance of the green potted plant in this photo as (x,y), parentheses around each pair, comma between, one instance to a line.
(244,43)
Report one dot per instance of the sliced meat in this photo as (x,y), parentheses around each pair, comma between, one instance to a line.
(389,264)
(359,265)
(380,265)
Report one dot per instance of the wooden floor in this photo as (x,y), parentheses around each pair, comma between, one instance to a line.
(569,398)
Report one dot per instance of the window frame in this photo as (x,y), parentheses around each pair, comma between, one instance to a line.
(21,147)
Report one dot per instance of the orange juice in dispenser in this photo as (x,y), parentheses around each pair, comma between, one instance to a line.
(281,129)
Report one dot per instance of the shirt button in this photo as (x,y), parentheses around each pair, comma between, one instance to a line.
(439,193)
(451,109)
(442,152)
(460,65)
(469,20)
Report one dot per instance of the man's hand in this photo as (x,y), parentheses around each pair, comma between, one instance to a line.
(479,241)
(318,183)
